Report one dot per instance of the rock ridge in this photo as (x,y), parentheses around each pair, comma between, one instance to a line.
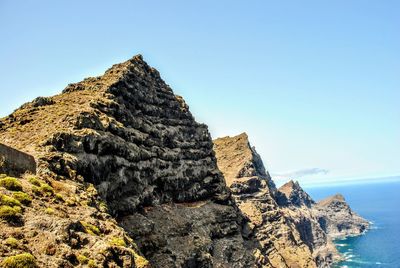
(308,227)
(127,135)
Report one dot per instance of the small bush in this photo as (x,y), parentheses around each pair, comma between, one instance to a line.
(34,181)
(9,201)
(59,197)
(10,213)
(12,242)
(92,264)
(11,184)
(90,228)
(24,260)
(49,211)
(46,189)
(36,190)
(22,197)
(82,259)
(116,241)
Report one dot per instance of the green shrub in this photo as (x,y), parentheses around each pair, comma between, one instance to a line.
(92,264)
(82,259)
(9,201)
(49,211)
(24,260)
(59,197)
(116,241)
(36,190)
(12,242)
(90,228)
(46,189)
(22,197)
(11,184)
(10,213)
(34,181)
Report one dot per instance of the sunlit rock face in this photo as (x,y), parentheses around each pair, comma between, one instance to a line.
(275,234)
(137,143)
(337,218)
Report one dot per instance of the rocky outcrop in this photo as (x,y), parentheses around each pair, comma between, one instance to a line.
(127,178)
(337,219)
(129,136)
(278,242)
(297,205)
(289,227)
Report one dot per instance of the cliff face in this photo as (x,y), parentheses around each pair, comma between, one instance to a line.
(276,237)
(289,227)
(297,205)
(136,142)
(337,219)
(127,178)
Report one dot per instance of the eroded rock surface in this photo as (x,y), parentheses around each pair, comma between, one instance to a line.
(276,237)
(127,134)
(337,218)
(288,227)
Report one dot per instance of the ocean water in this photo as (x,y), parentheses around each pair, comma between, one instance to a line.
(380,204)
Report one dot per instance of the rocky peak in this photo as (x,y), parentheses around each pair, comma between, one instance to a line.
(130,136)
(239,161)
(337,198)
(294,195)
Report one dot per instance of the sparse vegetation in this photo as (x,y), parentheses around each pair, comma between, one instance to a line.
(140,262)
(34,181)
(11,184)
(116,241)
(24,260)
(82,259)
(22,197)
(10,213)
(59,197)
(42,189)
(9,201)
(36,190)
(12,242)
(90,228)
(46,189)
(92,264)
(49,211)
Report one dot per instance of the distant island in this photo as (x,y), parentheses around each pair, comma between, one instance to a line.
(115,172)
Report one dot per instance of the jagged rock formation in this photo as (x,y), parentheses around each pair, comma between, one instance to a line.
(277,240)
(294,195)
(291,230)
(297,205)
(337,219)
(127,178)
(127,134)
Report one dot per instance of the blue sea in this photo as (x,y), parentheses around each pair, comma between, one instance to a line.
(380,204)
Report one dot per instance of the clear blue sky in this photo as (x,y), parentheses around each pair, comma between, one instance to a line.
(315,84)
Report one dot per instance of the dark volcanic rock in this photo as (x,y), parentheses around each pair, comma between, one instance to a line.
(128,134)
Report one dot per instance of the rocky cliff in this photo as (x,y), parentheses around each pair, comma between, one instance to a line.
(290,228)
(337,218)
(126,136)
(276,237)
(126,177)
